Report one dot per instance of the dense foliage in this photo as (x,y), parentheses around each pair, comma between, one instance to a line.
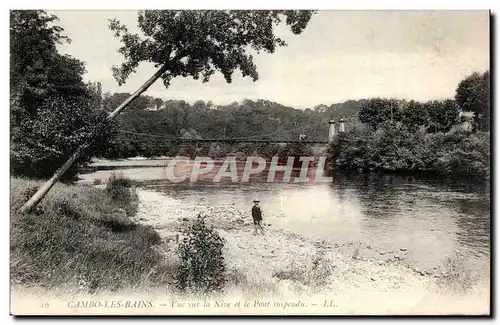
(473,94)
(400,149)
(400,136)
(434,116)
(51,107)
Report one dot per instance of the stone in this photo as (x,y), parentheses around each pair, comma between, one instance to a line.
(402,249)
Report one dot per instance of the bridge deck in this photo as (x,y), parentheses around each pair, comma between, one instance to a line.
(247,140)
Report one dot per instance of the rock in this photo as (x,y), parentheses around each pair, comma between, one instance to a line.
(368,246)
(402,249)
(372,279)
(382,253)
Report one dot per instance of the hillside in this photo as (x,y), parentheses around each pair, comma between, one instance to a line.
(149,122)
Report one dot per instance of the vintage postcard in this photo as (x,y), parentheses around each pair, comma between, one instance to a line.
(251,162)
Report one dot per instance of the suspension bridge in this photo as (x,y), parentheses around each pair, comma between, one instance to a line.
(265,139)
(259,139)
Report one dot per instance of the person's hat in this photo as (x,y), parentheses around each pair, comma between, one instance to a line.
(256,201)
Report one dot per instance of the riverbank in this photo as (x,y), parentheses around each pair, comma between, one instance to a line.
(285,265)
(279,267)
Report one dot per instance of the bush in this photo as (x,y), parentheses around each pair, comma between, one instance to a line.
(315,274)
(457,275)
(202,267)
(118,187)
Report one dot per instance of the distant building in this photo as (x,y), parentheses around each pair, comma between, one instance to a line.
(155,107)
(212,106)
(466,120)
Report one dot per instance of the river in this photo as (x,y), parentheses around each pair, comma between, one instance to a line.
(429,219)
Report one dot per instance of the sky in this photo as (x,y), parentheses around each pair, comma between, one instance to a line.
(341,55)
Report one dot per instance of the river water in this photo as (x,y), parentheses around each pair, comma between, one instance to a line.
(428,219)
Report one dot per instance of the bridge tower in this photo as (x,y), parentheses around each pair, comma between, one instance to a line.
(342,125)
(331,131)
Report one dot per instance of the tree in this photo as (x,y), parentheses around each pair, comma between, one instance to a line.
(33,39)
(442,115)
(414,115)
(376,111)
(199,43)
(473,95)
(192,43)
(95,89)
(199,104)
(51,106)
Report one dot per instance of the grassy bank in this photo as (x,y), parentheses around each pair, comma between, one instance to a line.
(399,149)
(82,237)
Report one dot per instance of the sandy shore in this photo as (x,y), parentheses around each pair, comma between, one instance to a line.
(282,264)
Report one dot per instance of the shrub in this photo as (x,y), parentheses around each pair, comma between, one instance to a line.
(118,187)
(202,267)
(457,276)
(315,274)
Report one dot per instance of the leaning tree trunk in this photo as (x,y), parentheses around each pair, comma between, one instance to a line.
(40,194)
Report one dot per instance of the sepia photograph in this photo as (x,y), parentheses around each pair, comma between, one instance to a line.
(250,162)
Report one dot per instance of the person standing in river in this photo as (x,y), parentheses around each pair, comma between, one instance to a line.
(257,217)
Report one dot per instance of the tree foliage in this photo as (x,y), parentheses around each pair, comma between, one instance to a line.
(376,111)
(473,95)
(393,149)
(434,116)
(198,43)
(442,115)
(52,110)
